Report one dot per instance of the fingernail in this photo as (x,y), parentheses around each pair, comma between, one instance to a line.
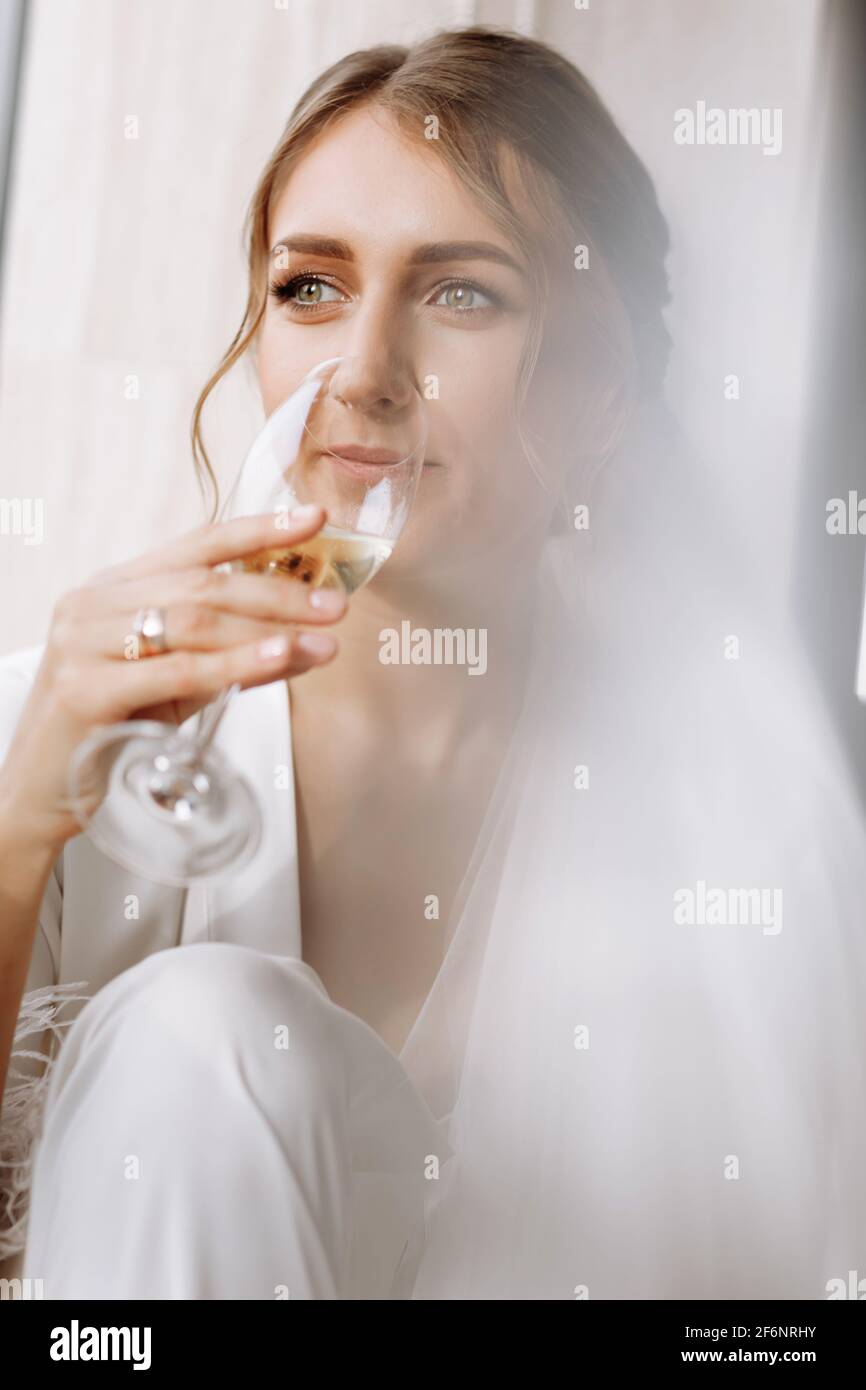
(316,643)
(273,647)
(307,512)
(328,600)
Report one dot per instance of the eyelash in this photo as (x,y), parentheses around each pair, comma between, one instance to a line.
(282,292)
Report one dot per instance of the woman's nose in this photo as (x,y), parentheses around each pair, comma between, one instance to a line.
(375,380)
(378,371)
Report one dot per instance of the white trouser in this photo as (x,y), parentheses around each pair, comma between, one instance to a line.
(215,1126)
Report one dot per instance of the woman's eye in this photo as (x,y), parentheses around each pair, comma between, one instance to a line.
(464,297)
(310,291)
(305,291)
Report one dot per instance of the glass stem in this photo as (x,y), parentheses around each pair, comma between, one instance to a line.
(209,719)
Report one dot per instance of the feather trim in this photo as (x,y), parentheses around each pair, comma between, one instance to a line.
(22,1107)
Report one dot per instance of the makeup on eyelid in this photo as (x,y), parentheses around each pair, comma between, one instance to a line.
(282,290)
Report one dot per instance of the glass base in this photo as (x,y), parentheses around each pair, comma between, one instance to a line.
(152,804)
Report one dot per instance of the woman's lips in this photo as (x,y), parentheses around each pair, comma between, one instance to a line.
(364,462)
(359,453)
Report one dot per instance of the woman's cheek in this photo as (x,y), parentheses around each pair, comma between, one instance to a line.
(284,356)
(270,367)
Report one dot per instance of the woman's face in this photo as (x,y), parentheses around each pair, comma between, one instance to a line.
(405,295)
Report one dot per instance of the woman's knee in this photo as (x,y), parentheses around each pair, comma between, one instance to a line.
(211,984)
(219,1001)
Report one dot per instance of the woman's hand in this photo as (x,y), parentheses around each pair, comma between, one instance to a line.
(220,627)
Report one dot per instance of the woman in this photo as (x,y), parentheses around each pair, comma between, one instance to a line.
(522,1061)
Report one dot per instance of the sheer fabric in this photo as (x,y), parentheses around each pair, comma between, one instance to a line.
(648,1029)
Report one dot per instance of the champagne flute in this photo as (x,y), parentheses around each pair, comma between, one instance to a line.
(166,803)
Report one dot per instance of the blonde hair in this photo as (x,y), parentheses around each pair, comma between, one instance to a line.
(496,93)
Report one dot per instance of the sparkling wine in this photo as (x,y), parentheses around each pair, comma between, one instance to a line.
(329,560)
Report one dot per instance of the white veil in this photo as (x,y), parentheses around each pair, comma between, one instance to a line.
(705,1136)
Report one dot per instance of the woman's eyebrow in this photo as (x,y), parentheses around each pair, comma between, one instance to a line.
(430,253)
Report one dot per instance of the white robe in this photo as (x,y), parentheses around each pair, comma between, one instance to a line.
(97,920)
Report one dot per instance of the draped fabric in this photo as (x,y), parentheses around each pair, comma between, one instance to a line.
(648,1032)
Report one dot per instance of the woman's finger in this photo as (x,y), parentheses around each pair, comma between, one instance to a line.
(198,627)
(219,542)
(262,596)
(188,676)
